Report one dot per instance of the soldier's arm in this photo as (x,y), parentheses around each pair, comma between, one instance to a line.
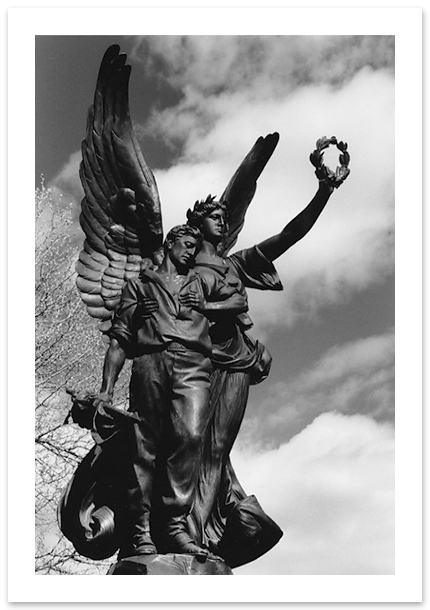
(113,363)
(121,336)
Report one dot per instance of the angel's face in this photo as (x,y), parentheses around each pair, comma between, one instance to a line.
(213,226)
(183,251)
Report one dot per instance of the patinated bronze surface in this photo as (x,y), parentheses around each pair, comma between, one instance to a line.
(158,486)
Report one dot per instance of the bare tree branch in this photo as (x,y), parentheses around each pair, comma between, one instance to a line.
(69,351)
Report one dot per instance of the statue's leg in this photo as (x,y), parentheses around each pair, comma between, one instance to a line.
(229,395)
(230,405)
(218,488)
(149,391)
(189,417)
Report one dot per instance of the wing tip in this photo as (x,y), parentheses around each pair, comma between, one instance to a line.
(270,141)
(111,52)
(272,138)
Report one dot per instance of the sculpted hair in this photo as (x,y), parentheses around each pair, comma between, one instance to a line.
(202,208)
(181,230)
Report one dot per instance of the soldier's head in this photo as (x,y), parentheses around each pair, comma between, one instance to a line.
(182,244)
(210,216)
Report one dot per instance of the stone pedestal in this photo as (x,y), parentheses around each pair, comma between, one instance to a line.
(170,565)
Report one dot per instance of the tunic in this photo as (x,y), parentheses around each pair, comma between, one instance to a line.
(224,517)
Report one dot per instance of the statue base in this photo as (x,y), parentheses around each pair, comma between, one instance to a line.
(170,565)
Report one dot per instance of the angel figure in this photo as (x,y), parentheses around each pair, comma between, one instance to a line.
(121,218)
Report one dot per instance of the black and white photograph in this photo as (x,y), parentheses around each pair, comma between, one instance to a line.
(217,306)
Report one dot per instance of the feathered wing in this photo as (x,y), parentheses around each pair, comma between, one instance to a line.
(121,214)
(241,188)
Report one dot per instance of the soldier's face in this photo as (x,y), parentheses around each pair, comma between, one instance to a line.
(183,252)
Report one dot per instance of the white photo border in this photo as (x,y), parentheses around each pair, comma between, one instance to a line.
(405,24)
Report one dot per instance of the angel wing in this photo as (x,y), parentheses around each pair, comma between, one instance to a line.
(121,213)
(242,186)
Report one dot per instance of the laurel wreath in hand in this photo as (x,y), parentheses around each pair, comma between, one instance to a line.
(324,173)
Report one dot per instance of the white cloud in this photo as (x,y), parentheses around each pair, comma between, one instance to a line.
(354,378)
(331,490)
(269,65)
(351,245)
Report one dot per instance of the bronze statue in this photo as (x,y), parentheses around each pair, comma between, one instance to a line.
(121,217)
(162,323)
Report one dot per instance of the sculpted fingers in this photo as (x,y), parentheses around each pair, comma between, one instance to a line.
(102,400)
(192,299)
(147,306)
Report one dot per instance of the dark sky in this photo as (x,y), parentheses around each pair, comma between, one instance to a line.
(66,68)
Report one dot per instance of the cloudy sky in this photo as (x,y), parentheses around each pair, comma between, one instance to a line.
(317,443)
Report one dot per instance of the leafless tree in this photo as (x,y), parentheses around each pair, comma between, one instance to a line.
(69,353)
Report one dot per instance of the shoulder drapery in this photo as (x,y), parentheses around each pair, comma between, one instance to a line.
(255,270)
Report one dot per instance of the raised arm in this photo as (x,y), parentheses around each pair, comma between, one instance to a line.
(274,246)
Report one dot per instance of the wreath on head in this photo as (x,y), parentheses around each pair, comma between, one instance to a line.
(324,173)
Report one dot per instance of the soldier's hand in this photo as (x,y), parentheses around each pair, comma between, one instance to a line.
(147,307)
(193,300)
(104,399)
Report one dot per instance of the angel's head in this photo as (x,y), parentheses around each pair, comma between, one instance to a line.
(182,244)
(210,216)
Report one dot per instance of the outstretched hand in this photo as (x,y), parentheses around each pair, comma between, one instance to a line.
(324,173)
